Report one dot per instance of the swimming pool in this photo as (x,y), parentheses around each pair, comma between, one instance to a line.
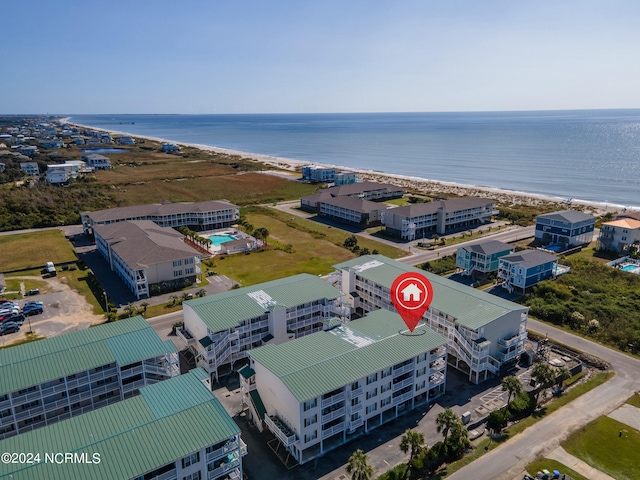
(630,267)
(218,239)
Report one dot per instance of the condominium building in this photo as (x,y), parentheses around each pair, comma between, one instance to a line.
(375,192)
(198,216)
(526,268)
(344,178)
(174,430)
(144,254)
(621,235)
(439,217)
(565,228)
(317,173)
(318,392)
(481,257)
(352,210)
(484,332)
(222,328)
(60,377)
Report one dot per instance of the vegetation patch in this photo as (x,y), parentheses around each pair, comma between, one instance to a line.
(441,266)
(540,464)
(634,400)
(609,446)
(34,250)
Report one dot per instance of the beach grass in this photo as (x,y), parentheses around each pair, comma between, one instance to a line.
(34,250)
(608,445)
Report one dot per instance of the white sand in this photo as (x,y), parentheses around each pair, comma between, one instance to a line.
(413,184)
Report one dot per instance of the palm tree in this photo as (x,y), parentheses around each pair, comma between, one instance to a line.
(412,442)
(201,293)
(543,374)
(144,306)
(563,374)
(512,386)
(445,420)
(358,466)
(130,309)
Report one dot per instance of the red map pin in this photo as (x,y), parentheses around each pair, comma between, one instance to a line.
(411,294)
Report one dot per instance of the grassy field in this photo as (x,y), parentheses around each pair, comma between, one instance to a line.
(546,463)
(33,250)
(600,445)
(634,400)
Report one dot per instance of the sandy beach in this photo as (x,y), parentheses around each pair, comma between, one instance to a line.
(412,184)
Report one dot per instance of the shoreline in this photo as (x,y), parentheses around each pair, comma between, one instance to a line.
(437,187)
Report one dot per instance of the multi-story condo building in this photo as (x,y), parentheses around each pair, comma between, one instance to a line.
(441,216)
(318,392)
(197,216)
(481,257)
(317,173)
(344,178)
(565,228)
(484,332)
(60,377)
(363,213)
(526,268)
(222,328)
(375,192)
(174,430)
(620,235)
(144,254)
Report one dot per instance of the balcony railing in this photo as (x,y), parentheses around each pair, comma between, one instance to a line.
(407,368)
(280,430)
(400,385)
(332,415)
(333,399)
(185,336)
(224,468)
(356,392)
(402,398)
(333,430)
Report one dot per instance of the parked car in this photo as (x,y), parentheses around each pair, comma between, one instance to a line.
(33,291)
(35,310)
(9,327)
(32,302)
(9,310)
(18,318)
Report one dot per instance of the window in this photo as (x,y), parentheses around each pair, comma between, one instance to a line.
(372,408)
(386,373)
(189,271)
(177,263)
(355,386)
(355,401)
(421,372)
(385,401)
(310,420)
(372,393)
(422,357)
(193,476)
(372,378)
(191,459)
(310,404)
(385,388)
(177,273)
(311,436)
(355,416)
(188,261)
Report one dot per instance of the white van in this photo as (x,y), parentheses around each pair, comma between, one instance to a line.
(50,268)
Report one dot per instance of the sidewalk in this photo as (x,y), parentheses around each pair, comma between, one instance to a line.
(562,456)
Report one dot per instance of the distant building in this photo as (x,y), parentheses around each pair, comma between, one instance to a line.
(222,328)
(170,147)
(438,217)
(375,192)
(353,210)
(63,376)
(28,149)
(207,215)
(126,141)
(621,235)
(525,269)
(1,167)
(565,228)
(55,143)
(318,392)
(56,174)
(344,178)
(316,173)
(144,254)
(96,161)
(174,430)
(481,257)
(30,168)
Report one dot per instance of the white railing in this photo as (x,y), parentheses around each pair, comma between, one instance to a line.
(26,397)
(333,430)
(170,475)
(331,415)
(286,440)
(333,399)
(76,382)
(130,372)
(407,368)
(223,469)
(55,389)
(356,392)
(185,336)
(402,398)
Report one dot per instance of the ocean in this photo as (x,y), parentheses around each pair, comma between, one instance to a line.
(588,155)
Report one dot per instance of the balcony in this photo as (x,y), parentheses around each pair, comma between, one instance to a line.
(61,387)
(356,392)
(404,369)
(511,341)
(185,336)
(436,379)
(333,415)
(339,428)
(357,407)
(333,399)
(224,468)
(286,436)
(356,423)
(400,385)
(402,398)
(438,364)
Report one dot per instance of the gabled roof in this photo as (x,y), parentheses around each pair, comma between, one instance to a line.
(226,310)
(451,205)
(568,216)
(345,354)
(128,435)
(530,258)
(470,307)
(355,204)
(142,243)
(630,223)
(488,248)
(125,342)
(157,209)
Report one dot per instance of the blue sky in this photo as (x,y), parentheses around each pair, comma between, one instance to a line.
(224,56)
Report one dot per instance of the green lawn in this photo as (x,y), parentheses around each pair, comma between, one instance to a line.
(32,250)
(600,445)
(540,464)
(634,400)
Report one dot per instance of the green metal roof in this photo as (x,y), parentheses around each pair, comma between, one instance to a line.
(126,341)
(257,403)
(226,310)
(470,307)
(167,421)
(345,354)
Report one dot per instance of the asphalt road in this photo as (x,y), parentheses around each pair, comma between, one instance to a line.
(508,461)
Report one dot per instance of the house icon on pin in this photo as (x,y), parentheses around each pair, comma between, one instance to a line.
(411,293)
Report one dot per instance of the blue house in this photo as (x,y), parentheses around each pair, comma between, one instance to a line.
(525,269)
(565,228)
(481,257)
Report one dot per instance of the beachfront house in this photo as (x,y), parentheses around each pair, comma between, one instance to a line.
(146,256)
(42,383)
(199,216)
(57,174)
(359,376)
(30,168)
(621,235)
(126,141)
(176,429)
(481,257)
(28,150)
(352,210)
(316,173)
(170,147)
(565,228)
(525,269)
(484,332)
(439,217)
(221,329)
(97,161)
(344,178)
(374,192)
